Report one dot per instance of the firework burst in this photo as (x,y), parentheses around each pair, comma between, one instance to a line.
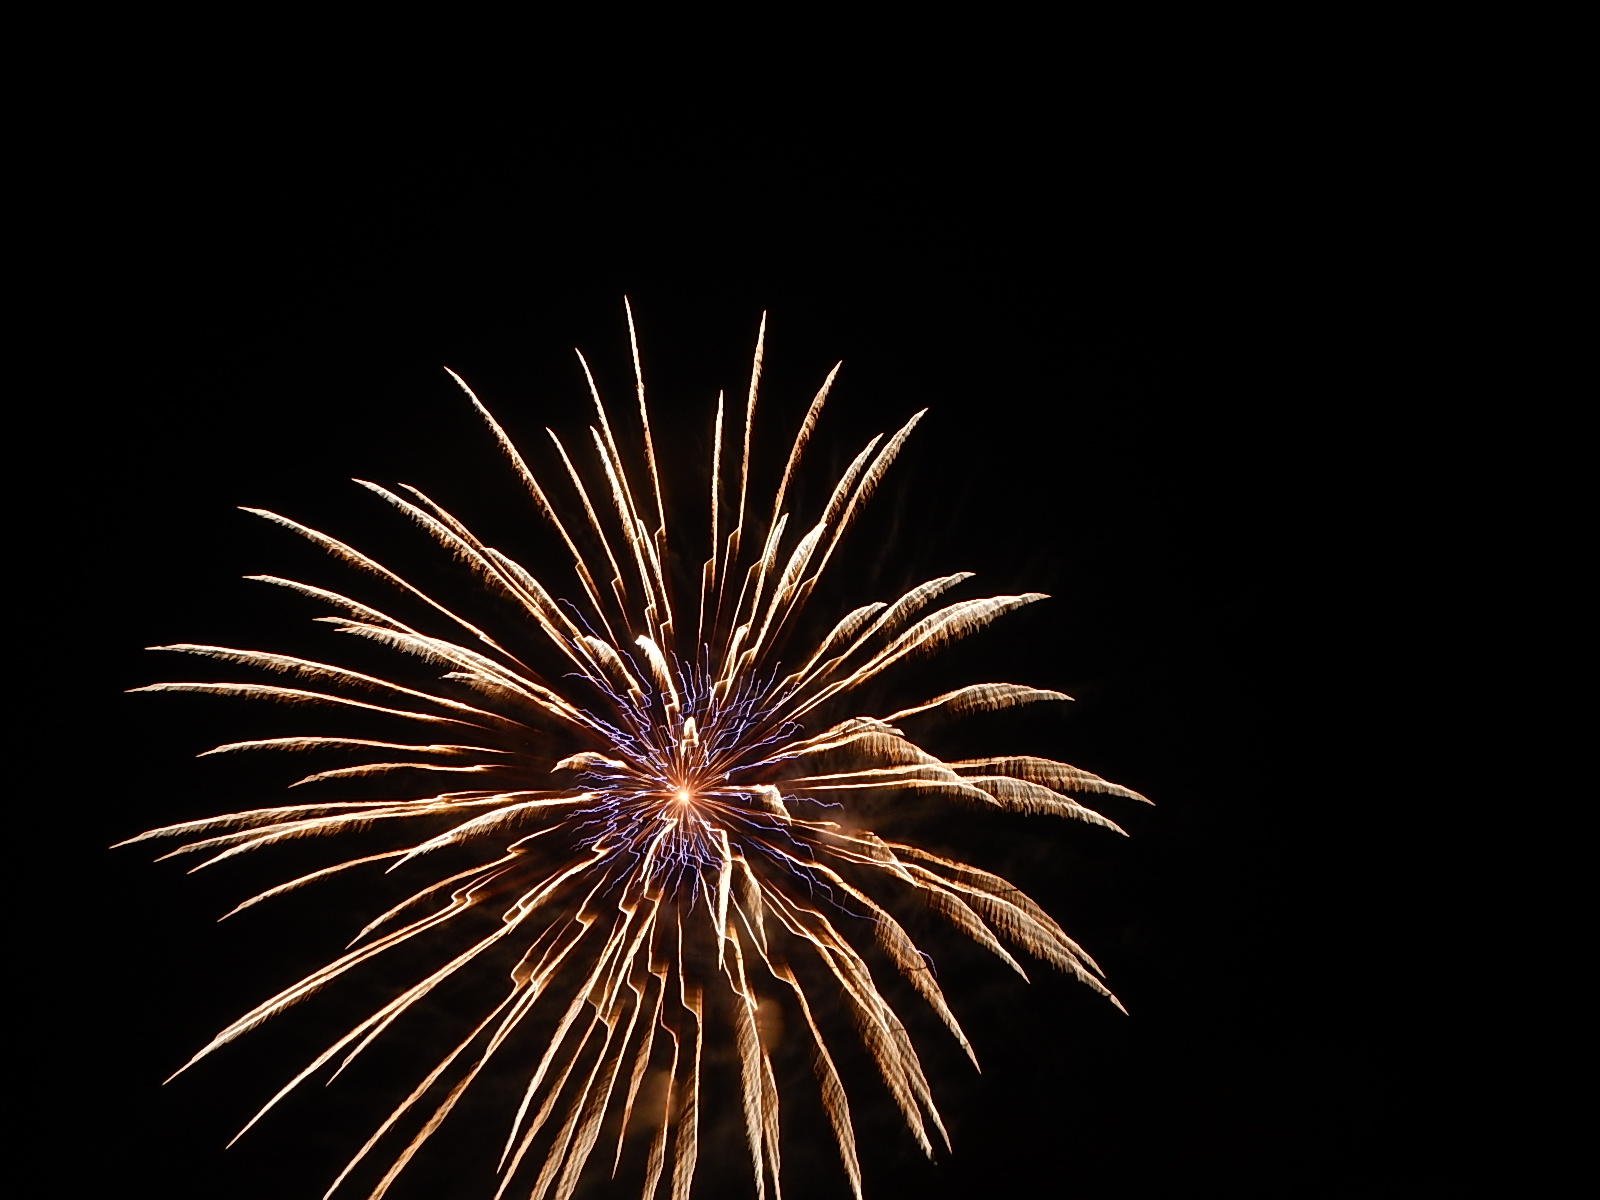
(659,815)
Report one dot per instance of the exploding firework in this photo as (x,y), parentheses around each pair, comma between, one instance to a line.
(665,816)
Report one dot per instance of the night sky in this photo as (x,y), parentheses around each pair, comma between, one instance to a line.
(1133,365)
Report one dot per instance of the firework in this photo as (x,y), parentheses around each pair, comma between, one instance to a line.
(663,814)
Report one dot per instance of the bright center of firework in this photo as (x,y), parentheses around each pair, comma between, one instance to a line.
(682,794)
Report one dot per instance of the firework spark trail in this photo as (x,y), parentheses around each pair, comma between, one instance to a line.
(679,849)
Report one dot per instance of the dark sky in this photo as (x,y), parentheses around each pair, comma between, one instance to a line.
(1134,353)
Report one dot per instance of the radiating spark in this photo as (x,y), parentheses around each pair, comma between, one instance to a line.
(675,866)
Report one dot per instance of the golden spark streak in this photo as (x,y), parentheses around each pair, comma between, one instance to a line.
(651,825)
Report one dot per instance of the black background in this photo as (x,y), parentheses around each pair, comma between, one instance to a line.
(1146,345)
